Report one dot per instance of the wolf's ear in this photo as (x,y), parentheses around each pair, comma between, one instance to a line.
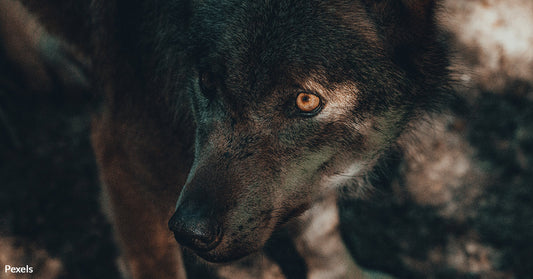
(422,9)
(403,20)
(408,28)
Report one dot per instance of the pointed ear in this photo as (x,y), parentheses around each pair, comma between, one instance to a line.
(408,28)
(411,17)
(422,9)
(413,41)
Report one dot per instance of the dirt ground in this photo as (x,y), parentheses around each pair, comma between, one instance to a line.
(457,204)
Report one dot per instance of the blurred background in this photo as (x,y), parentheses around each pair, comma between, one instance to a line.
(458,205)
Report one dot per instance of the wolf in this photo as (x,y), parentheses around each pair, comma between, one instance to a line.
(225,121)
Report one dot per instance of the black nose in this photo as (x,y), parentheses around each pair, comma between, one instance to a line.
(195,229)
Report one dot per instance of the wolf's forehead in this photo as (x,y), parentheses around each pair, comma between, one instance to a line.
(261,44)
(310,31)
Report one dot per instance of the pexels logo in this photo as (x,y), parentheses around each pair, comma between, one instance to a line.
(18,269)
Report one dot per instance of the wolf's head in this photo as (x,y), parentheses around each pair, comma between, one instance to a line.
(292,99)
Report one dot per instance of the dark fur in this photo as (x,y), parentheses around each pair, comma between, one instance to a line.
(226,144)
(36,62)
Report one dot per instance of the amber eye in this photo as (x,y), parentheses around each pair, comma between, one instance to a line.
(207,83)
(307,102)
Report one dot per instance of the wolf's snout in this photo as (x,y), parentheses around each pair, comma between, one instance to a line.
(194,229)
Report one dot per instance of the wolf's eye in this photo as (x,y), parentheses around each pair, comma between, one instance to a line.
(308,103)
(207,82)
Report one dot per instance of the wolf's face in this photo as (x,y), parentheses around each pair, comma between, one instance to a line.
(289,100)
